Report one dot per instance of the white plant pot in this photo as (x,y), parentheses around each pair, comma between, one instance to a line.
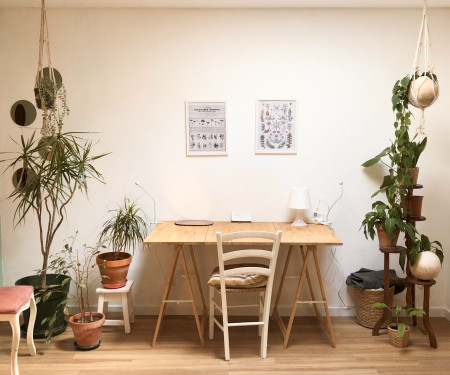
(423,92)
(427,266)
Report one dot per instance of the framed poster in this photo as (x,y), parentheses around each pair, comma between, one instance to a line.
(206,128)
(276,127)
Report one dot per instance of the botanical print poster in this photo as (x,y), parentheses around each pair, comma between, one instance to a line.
(206,128)
(276,127)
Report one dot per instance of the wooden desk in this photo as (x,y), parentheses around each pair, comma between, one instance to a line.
(309,236)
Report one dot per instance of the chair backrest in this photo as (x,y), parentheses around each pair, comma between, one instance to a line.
(248,237)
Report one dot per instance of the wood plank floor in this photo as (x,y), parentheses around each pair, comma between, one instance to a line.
(178,351)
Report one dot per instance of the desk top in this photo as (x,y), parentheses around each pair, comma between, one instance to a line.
(171,234)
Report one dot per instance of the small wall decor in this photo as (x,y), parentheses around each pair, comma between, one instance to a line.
(206,128)
(23,113)
(276,127)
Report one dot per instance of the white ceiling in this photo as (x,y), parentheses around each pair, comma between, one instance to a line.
(226,3)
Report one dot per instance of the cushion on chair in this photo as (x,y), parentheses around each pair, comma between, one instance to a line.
(12,298)
(245,280)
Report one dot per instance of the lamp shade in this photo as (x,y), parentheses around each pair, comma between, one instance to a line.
(299,198)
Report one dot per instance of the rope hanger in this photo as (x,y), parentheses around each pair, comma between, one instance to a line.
(424,89)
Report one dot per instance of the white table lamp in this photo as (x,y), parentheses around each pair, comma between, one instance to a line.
(299,199)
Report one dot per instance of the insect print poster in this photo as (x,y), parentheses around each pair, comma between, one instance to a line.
(276,127)
(206,128)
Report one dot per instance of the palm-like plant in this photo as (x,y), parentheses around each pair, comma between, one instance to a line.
(52,170)
(126,228)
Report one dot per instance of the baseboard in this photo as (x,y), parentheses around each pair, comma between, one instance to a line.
(437,312)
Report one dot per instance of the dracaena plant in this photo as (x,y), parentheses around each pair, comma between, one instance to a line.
(126,227)
(53,169)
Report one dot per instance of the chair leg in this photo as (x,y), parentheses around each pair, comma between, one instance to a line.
(265,327)
(261,311)
(15,326)
(126,314)
(211,312)
(226,339)
(30,342)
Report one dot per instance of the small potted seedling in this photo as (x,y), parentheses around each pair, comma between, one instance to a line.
(399,332)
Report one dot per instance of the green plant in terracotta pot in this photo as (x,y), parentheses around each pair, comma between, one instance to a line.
(125,229)
(77,264)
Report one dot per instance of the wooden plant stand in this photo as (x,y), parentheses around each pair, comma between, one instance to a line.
(411,281)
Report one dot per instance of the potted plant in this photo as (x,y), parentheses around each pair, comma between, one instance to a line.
(123,230)
(53,169)
(425,257)
(399,332)
(77,265)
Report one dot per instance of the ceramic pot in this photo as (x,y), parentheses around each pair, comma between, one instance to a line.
(114,271)
(396,341)
(87,335)
(423,92)
(427,266)
(413,205)
(384,239)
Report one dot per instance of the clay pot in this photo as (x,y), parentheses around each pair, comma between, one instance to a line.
(115,270)
(427,266)
(396,341)
(87,335)
(423,92)
(413,172)
(384,240)
(413,205)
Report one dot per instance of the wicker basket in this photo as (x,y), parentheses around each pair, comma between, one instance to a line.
(396,341)
(366,314)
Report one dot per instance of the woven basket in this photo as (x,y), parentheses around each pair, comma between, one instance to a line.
(396,341)
(366,314)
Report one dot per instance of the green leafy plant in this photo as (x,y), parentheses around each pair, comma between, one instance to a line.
(126,228)
(410,311)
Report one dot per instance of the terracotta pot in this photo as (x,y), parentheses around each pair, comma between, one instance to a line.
(427,266)
(384,240)
(413,205)
(87,335)
(413,172)
(396,341)
(115,270)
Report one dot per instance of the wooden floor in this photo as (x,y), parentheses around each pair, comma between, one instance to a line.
(178,351)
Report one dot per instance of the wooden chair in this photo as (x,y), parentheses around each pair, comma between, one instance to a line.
(14,300)
(241,278)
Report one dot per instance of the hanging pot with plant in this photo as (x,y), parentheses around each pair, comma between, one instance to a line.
(124,230)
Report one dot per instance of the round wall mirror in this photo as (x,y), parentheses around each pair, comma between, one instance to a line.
(23,113)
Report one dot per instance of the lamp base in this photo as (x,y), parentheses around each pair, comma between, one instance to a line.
(299,222)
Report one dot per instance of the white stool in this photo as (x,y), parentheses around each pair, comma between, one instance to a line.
(120,294)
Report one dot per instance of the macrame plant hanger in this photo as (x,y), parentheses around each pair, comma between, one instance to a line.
(416,87)
(44,46)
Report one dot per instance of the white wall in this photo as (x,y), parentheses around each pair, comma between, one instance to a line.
(129,71)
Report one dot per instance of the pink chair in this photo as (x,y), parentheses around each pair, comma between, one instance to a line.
(14,300)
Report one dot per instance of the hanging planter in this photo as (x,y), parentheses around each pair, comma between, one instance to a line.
(424,88)
(48,80)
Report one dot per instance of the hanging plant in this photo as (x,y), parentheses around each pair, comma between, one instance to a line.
(423,89)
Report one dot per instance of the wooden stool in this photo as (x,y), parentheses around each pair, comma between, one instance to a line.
(120,294)
(14,300)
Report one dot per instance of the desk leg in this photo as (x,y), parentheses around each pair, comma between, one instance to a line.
(316,310)
(297,296)
(173,266)
(324,297)
(275,313)
(197,276)
(191,294)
